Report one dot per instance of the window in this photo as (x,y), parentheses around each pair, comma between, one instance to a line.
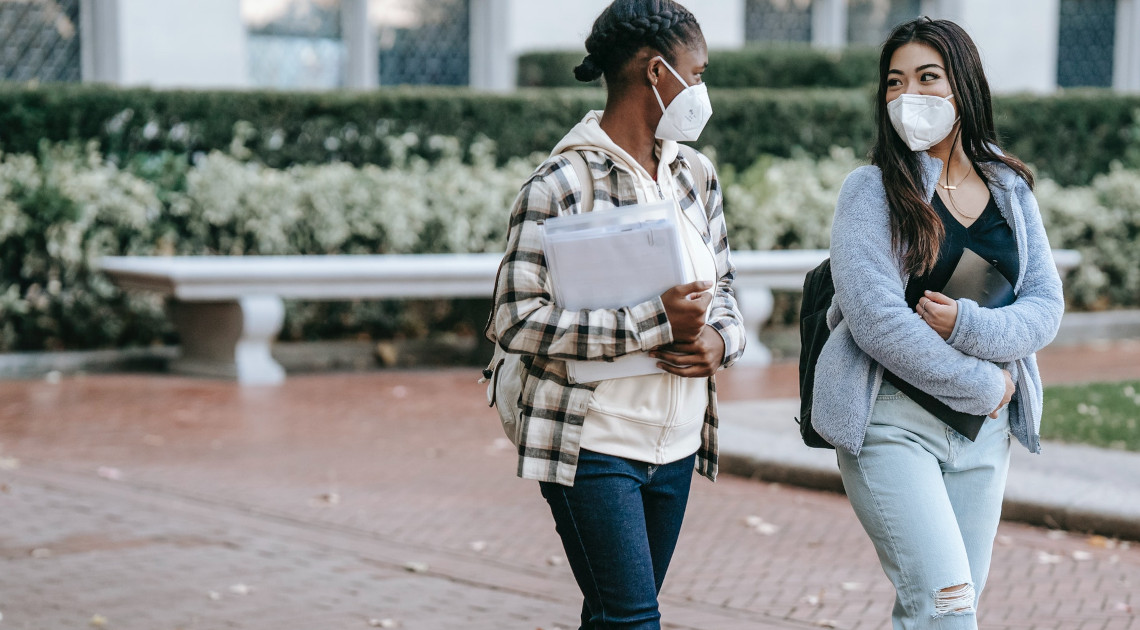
(1085,44)
(423,42)
(295,44)
(39,40)
(870,21)
(777,21)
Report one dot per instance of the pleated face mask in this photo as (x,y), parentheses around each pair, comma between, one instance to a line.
(921,120)
(687,115)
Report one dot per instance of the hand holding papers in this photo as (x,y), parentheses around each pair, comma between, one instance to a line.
(612,259)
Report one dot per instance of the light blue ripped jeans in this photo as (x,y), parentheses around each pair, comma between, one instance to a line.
(930,500)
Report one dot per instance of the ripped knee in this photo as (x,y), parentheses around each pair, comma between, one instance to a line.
(954,600)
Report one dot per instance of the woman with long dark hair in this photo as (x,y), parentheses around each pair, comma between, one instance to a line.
(919,392)
(614,458)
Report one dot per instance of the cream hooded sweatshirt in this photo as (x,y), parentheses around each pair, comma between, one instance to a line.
(654,418)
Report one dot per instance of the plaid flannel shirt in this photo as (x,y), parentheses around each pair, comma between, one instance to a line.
(526,321)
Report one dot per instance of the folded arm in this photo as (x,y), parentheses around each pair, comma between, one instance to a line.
(870,293)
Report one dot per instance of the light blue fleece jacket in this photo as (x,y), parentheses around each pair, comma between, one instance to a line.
(872,327)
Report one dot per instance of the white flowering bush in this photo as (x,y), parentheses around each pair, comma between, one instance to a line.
(66,206)
(785,203)
(1102,221)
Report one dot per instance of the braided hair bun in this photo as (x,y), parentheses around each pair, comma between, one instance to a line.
(588,70)
(628,25)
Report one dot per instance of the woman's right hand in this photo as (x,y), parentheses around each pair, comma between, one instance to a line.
(1009,390)
(685,306)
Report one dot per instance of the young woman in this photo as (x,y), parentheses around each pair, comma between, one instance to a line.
(928,497)
(614,458)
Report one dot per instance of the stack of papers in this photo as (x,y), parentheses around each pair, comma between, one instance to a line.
(612,259)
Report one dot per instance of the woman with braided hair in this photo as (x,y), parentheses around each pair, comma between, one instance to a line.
(614,458)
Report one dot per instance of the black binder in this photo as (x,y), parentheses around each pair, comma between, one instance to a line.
(977,279)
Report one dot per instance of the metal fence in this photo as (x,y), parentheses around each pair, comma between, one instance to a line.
(39,40)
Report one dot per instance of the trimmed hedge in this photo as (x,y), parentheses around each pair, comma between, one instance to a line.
(776,66)
(1070,136)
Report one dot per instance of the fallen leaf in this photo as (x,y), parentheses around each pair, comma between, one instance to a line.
(9,463)
(332,498)
(1122,607)
(1081,556)
(479,546)
(852,586)
(99,621)
(214,596)
(1044,557)
(383,623)
(556,561)
(827,623)
(1100,542)
(1056,534)
(113,474)
(811,600)
(1005,540)
(241,589)
(416,567)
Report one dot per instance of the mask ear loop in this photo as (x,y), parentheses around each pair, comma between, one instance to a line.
(658,94)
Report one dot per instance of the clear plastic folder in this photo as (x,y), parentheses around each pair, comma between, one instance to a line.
(610,259)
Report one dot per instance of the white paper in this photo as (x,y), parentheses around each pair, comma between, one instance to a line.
(612,259)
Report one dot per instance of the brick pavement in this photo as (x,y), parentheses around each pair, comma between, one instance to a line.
(318,493)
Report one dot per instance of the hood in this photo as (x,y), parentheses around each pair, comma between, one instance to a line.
(588,135)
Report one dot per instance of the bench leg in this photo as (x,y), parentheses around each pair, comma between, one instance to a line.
(756,305)
(230,339)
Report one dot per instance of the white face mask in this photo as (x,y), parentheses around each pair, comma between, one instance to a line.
(686,116)
(922,121)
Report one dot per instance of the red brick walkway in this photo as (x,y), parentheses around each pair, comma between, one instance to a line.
(162,502)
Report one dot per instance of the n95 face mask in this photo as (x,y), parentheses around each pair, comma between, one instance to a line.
(921,120)
(687,115)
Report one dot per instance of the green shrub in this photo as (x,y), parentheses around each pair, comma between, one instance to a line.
(64,207)
(1069,137)
(774,66)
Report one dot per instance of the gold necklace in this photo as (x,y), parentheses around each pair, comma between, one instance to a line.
(947,185)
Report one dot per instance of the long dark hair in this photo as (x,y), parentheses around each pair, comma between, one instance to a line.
(914,222)
(626,26)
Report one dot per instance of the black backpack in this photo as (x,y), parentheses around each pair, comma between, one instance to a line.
(818,291)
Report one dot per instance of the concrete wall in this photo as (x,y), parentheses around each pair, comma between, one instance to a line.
(172,43)
(1016,38)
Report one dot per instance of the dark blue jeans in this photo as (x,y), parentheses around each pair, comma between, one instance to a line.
(619,525)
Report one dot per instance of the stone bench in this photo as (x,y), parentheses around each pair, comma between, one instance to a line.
(228,310)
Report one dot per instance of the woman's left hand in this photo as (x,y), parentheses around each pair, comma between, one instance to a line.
(939,312)
(702,357)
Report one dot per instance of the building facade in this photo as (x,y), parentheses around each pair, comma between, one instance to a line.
(1027,45)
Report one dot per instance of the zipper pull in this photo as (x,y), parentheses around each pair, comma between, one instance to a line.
(660,193)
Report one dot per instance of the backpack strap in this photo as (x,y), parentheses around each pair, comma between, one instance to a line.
(585,179)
